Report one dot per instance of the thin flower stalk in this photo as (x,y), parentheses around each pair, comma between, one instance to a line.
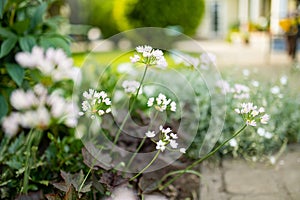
(145,168)
(131,106)
(199,161)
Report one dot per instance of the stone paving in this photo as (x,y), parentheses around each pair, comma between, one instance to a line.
(233,179)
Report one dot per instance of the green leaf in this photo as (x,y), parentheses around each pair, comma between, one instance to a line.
(16,72)
(7,46)
(3,107)
(55,42)
(27,43)
(38,15)
(21,26)
(2,6)
(4,32)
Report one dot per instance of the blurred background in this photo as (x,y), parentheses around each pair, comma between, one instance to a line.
(223,23)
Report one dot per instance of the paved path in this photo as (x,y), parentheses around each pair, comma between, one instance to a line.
(238,180)
(256,54)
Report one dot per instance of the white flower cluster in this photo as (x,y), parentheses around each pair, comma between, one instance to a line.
(204,61)
(239,91)
(95,103)
(52,63)
(37,109)
(131,86)
(149,56)
(252,113)
(166,136)
(263,133)
(161,103)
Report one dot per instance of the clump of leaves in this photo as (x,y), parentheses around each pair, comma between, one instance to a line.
(73,186)
(23,25)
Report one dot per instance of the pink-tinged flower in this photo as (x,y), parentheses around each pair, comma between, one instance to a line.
(264,119)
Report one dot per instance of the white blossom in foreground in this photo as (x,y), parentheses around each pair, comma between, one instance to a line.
(165,137)
(38,109)
(11,124)
(149,56)
(251,114)
(131,87)
(95,104)
(52,63)
(162,103)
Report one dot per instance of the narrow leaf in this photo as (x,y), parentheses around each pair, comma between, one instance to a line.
(7,46)
(4,32)
(16,72)
(2,7)
(3,107)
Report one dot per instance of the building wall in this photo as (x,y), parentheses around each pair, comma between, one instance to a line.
(233,11)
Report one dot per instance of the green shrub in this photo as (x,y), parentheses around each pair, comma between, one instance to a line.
(99,13)
(117,16)
(186,14)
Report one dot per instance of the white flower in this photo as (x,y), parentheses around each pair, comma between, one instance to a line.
(53,63)
(208,58)
(268,135)
(131,86)
(283,80)
(275,90)
(162,63)
(251,122)
(182,150)
(173,144)
(20,99)
(95,103)
(135,58)
(165,131)
(264,119)
(237,110)
(150,102)
(272,160)
(10,124)
(246,72)
(233,142)
(173,136)
(261,131)
(254,113)
(255,83)
(162,103)
(149,56)
(150,134)
(240,91)
(160,145)
(261,110)
(224,86)
(173,106)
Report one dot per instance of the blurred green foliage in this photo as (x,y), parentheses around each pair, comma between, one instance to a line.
(117,16)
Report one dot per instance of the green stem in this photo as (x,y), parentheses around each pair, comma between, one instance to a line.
(27,163)
(150,163)
(201,159)
(130,106)
(141,144)
(90,170)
